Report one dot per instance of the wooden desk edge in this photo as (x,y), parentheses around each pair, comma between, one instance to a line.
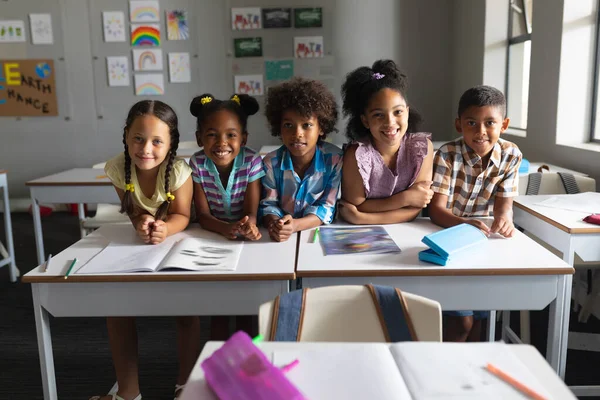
(3,171)
(160,277)
(437,272)
(87,183)
(554,223)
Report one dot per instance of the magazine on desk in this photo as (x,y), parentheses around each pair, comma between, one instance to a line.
(188,254)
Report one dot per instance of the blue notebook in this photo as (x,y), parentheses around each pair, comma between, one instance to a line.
(445,243)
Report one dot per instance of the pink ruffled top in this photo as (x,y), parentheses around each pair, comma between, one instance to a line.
(381,182)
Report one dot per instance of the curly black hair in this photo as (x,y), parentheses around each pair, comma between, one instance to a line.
(480,96)
(241,105)
(306,97)
(361,84)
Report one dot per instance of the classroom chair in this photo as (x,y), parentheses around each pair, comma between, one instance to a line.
(105,214)
(8,255)
(349,314)
(553,183)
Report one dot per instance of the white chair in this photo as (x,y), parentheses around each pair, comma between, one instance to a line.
(8,255)
(551,183)
(347,314)
(105,214)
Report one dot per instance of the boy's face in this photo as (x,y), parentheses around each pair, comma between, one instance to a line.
(481,127)
(300,134)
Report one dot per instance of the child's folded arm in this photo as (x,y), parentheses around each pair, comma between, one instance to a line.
(178,216)
(205,218)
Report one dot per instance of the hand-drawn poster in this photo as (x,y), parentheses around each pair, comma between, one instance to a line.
(147,60)
(276,18)
(248,47)
(118,71)
(245,18)
(114,26)
(279,70)
(149,84)
(179,67)
(145,35)
(177,25)
(308,17)
(12,31)
(41,28)
(249,84)
(27,88)
(308,47)
(144,11)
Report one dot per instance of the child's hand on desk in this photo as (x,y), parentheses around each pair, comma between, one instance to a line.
(159,232)
(419,194)
(349,212)
(503,225)
(479,224)
(280,230)
(248,229)
(143,227)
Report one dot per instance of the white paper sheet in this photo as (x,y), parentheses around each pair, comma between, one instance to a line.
(588,202)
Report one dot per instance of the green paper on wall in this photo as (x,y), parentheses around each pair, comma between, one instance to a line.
(248,47)
(279,70)
(308,17)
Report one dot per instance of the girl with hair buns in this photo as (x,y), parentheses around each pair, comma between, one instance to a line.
(387,169)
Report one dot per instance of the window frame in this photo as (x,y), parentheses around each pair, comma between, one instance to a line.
(512,41)
(596,82)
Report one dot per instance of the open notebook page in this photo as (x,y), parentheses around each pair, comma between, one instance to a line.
(339,373)
(456,371)
(203,255)
(588,202)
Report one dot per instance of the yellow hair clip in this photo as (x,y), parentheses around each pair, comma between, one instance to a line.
(236,99)
(206,99)
(170,197)
(130,187)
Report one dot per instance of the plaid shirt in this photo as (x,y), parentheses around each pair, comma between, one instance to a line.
(317,193)
(471,187)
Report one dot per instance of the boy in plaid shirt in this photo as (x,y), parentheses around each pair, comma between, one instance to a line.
(476,175)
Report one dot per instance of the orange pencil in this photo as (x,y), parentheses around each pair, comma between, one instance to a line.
(514,383)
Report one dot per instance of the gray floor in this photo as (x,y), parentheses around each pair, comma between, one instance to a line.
(81,354)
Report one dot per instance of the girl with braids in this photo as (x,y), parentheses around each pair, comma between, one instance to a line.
(226,173)
(387,169)
(155,190)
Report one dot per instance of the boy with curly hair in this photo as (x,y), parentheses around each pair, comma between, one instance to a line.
(302,178)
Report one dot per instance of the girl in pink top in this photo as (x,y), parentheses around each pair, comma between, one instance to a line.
(388,166)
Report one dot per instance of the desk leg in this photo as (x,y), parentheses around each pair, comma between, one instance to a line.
(37,226)
(558,326)
(12,271)
(81,214)
(491,328)
(44,337)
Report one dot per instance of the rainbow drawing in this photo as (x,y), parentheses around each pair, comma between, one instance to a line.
(149,85)
(147,60)
(145,35)
(144,11)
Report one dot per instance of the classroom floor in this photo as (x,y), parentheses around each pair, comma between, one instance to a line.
(81,354)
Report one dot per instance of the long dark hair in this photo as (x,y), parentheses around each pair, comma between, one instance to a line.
(166,114)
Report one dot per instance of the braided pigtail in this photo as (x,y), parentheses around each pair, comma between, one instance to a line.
(163,210)
(127,201)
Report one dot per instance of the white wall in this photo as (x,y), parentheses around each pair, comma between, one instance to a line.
(416,33)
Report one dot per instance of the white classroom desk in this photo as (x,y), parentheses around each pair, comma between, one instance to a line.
(196,387)
(8,258)
(238,292)
(77,185)
(500,274)
(565,231)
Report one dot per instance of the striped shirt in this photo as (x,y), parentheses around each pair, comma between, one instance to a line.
(227,204)
(471,187)
(317,193)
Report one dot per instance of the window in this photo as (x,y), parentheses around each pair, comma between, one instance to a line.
(518,60)
(595,128)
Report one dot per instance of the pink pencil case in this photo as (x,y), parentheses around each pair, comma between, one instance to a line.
(240,371)
(593,219)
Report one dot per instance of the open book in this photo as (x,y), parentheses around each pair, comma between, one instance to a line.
(409,370)
(188,254)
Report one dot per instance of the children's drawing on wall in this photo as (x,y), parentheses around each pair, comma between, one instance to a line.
(114,26)
(277,17)
(118,71)
(27,88)
(279,70)
(149,85)
(41,28)
(12,31)
(308,47)
(245,18)
(145,35)
(249,84)
(308,17)
(144,11)
(177,25)
(147,60)
(179,67)
(248,47)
